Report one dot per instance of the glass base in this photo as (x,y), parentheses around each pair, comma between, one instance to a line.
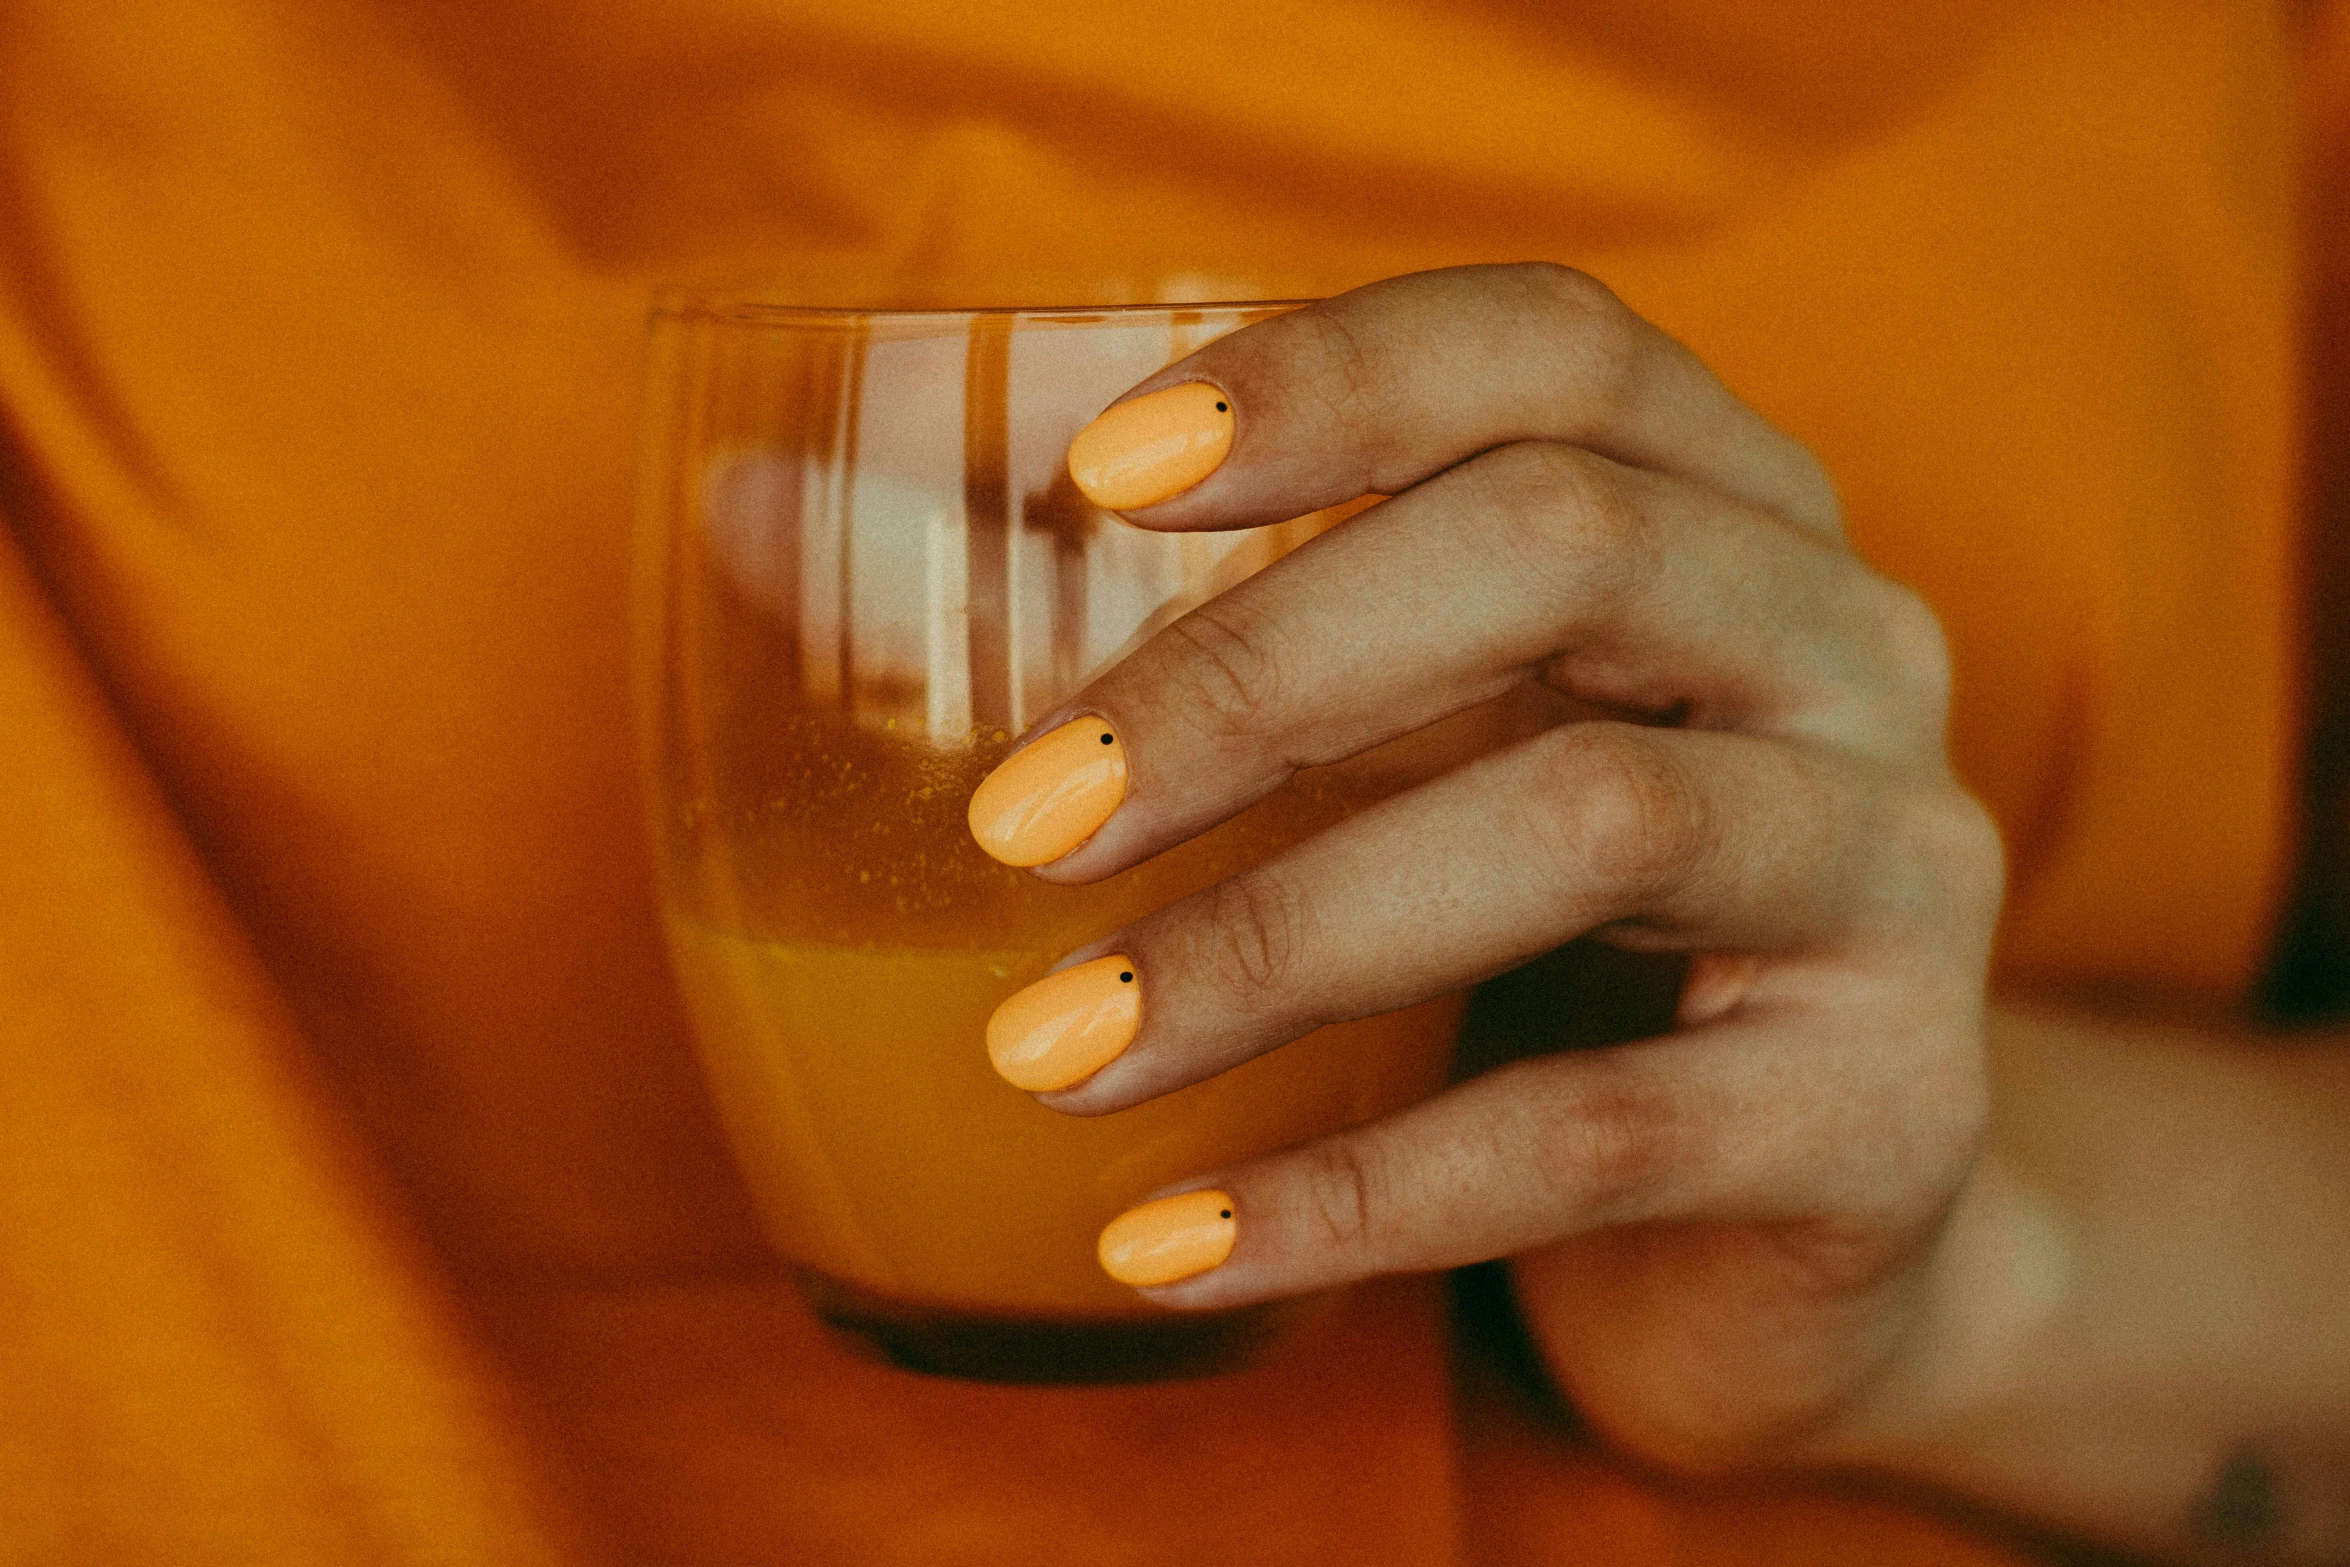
(1071,1352)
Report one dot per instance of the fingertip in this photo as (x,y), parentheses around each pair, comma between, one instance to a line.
(1058,1032)
(1049,797)
(1169,1240)
(1152,448)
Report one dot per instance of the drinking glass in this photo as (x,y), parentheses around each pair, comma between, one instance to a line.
(862,571)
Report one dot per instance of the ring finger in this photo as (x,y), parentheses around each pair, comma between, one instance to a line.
(1675,838)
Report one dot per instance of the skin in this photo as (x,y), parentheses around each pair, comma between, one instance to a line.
(1846,1214)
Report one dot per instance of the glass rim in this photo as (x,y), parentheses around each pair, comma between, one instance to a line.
(755,309)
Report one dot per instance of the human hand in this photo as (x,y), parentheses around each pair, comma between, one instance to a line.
(1716,1231)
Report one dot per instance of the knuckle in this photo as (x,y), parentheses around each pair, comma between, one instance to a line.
(1570,292)
(1569,520)
(1910,645)
(1616,1141)
(1964,841)
(1622,1147)
(1258,924)
(1346,376)
(1342,1194)
(1606,340)
(1812,491)
(1223,668)
(1621,809)
(1941,866)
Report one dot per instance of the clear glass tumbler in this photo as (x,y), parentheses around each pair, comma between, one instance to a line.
(862,571)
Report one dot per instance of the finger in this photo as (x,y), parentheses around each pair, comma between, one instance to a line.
(1624,588)
(1666,838)
(1375,390)
(1754,1121)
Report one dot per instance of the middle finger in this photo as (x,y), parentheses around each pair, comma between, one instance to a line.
(1673,838)
(1635,590)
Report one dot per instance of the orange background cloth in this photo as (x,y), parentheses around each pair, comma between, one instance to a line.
(359,1201)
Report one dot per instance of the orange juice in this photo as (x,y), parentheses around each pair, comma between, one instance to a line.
(842,942)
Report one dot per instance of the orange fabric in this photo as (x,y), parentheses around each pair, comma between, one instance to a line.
(358,1198)
(2314,968)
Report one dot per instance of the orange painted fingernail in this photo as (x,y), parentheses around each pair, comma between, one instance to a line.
(1066,1026)
(1153,448)
(1170,1239)
(1050,795)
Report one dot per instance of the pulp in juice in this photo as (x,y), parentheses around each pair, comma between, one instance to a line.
(841,942)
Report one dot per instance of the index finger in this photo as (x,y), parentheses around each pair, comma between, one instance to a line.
(1374,390)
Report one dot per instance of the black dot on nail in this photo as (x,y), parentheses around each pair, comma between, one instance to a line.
(1226,1214)
(1126,978)
(1105,739)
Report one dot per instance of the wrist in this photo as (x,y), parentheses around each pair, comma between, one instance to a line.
(1986,1306)
(2129,1328)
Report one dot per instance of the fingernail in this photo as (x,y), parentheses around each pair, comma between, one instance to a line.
(1170,1239)
(1155,447)
(1050,795)
(1066,1026)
